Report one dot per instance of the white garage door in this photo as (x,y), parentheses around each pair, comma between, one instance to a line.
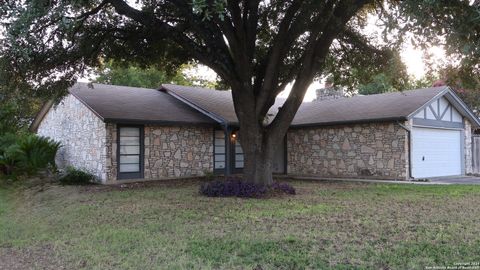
(436,152)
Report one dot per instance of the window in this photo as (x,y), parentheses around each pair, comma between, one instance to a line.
(130,152)
(238,154)
(219,150)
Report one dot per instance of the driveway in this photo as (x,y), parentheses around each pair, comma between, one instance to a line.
(447,180)
(470,180)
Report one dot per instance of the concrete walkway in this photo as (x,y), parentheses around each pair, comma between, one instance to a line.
(451,180)
(466,180)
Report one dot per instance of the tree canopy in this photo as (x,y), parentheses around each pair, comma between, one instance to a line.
(257,47)
(149,77)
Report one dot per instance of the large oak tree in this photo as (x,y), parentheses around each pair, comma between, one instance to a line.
(257,47)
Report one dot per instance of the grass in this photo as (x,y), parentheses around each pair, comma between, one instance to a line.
(170,226)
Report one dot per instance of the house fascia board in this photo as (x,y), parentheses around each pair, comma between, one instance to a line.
(336,123)
(157,122)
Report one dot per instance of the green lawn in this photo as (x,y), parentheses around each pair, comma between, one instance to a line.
(170,226)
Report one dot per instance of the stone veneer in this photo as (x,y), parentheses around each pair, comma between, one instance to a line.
(170,151)
(81,133)
(468,147)
(375,150)
(178,151)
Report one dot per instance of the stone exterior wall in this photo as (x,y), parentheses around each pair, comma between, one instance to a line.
(178,151)
(169,152)
(374,150)
(468,147)
(82,134)
(111,149)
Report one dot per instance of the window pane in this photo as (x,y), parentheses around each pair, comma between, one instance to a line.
(129,150)
(219,134)
(129,159)
(220,157)
(238,149)
(129,131)
(129,140)
(219,149)
(129,167)
(219,165)
(239,164)
(238,157)
(220,142)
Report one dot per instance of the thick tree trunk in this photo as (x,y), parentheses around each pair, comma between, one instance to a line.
(258,155)
(258,148)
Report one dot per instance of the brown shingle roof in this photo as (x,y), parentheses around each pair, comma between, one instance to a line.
(388,106)
(217,102)
(220,103)
(132,104)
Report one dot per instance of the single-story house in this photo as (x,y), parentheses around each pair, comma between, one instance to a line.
(127,133)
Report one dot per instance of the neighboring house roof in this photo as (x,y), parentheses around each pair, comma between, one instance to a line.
(132,104)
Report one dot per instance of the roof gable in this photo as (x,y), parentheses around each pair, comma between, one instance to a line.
(446,106)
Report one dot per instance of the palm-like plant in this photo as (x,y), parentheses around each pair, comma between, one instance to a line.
(26,154)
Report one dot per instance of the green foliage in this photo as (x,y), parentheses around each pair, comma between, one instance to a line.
(464,80)
(73,176)
(26,154)
(9,123)
(209,175)
(116,73)
(62,39)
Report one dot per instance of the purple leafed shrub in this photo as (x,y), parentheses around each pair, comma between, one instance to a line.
(236,187)
(232,187)
(283,187)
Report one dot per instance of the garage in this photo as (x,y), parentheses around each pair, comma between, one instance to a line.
(436,152)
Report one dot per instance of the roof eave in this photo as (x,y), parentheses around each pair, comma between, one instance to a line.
(158,122)
(361,121)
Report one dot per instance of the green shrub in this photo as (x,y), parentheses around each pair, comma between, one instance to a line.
(73,176)
(26,154)
(209,175)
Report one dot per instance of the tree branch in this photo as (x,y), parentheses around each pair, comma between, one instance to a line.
(219,63)
(314,58)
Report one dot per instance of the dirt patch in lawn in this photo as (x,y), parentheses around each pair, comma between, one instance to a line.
(42,257)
